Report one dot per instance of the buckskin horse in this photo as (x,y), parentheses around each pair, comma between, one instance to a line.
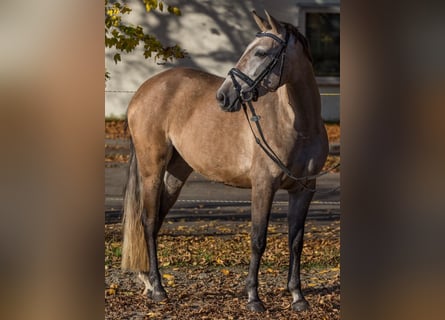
(176,127)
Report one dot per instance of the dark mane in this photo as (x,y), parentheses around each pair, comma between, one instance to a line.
(300,37)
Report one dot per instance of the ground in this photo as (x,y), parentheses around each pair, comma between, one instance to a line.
(204,264)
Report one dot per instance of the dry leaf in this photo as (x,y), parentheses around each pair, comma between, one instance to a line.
(168,276)
(225,272)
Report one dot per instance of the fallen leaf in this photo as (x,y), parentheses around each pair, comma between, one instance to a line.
(225,272)
(168,276)
(110,291)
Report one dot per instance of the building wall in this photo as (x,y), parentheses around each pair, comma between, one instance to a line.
(214,33)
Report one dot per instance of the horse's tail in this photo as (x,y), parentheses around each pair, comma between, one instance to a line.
(134,249)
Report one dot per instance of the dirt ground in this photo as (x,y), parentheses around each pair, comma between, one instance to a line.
(204,264)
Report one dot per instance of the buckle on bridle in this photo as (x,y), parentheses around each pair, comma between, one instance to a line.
(249,95)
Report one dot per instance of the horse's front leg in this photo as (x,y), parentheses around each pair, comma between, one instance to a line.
(262,196)
(298,207)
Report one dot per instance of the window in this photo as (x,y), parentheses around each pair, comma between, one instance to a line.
(323,34)
(321,26)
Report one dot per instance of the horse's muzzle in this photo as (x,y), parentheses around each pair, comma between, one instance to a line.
(225,104)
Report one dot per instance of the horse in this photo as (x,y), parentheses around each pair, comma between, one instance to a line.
(178,126)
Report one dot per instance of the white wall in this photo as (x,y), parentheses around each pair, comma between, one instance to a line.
(214,33)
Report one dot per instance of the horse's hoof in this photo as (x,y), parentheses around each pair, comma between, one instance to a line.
(300,305)
(256,306)
(159,296)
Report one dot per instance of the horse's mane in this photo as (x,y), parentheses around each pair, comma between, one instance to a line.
(300,37)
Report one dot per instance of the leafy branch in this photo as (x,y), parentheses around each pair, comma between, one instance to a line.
(124,38)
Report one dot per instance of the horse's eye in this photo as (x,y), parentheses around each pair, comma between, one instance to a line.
(260,53)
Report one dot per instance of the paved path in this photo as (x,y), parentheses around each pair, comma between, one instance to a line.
(203,199)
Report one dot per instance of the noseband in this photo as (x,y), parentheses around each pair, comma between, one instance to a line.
(251,93)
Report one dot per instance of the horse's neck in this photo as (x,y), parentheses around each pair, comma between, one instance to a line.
(301,104)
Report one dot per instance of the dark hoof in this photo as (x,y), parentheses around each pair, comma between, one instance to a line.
(256,306)
(300,305)
(159,296)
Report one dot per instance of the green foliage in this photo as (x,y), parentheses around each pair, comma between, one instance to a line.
(124,38)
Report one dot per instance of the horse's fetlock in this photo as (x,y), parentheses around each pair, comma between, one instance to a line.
(293,285)
(251,285)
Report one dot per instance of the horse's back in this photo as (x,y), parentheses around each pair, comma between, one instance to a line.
(168,83)
(175,90)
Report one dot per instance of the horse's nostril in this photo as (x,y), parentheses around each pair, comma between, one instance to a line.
(221,98)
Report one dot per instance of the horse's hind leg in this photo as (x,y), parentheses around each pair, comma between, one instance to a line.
(174,178)
(152,186)
(153,155)
(298,207)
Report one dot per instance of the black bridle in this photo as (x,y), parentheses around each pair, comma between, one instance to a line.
(251,93)
(246,96)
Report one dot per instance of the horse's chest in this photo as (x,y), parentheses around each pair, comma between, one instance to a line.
(308,155)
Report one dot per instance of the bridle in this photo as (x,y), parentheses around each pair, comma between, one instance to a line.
(246,96)
(251,93)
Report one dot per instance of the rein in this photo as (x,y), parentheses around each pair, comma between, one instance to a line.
(250,94)
(273,156)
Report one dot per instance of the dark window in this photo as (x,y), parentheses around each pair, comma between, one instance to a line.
(323,34)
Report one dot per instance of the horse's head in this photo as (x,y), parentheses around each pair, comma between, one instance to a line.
(260,68)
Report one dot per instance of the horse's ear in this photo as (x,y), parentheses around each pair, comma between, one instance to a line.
(275,25)
(262,24)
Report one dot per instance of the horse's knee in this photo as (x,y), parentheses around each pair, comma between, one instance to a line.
(258,244)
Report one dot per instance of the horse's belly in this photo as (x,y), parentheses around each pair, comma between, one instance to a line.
(229,166)
(217,169)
